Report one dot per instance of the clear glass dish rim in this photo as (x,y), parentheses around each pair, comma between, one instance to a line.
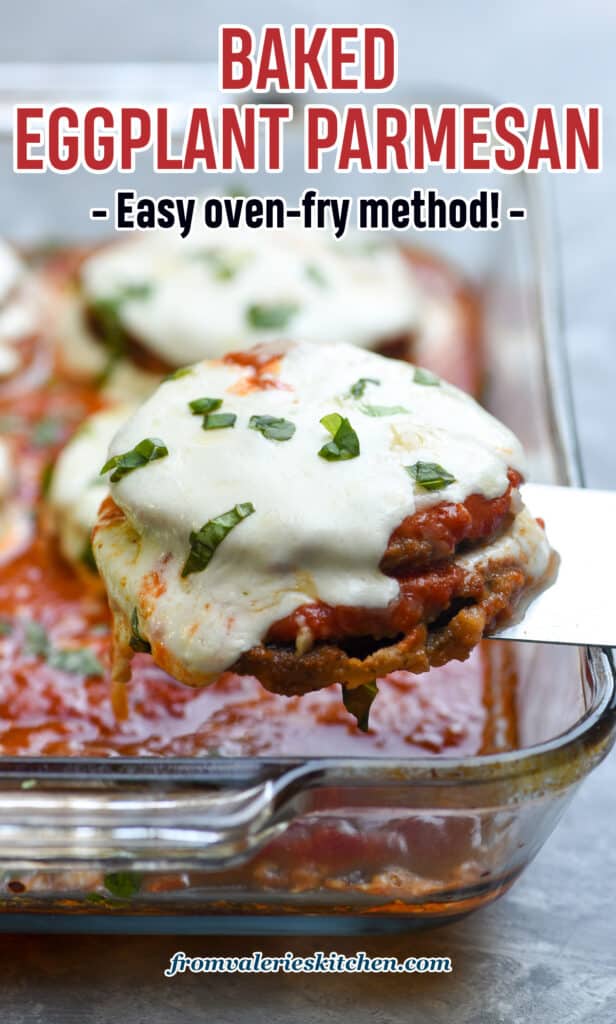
(584,733)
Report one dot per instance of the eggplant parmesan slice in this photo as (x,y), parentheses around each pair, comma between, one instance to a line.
(165,301)
(311,518)
(76,489)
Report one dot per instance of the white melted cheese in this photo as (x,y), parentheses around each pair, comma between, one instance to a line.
(16,526)
(201,289)
(319,529)
(82,355)
(17,308)
(77,488)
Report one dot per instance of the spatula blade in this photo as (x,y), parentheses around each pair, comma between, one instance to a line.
(580,606)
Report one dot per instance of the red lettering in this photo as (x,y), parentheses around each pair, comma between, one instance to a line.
(199,143)
(98,145)
(355,145)
(473,136)
(321,134)
(164,160)
(435,141)
(135,135)
(272,61)
(586,137)
(235,51)
(306,58)
(274,118)
(391,139)
(63,146)
(24,138)
(543,126)
(511,138)
(340,57)
(374,81)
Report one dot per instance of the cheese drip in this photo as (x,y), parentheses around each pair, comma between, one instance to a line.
(319,529)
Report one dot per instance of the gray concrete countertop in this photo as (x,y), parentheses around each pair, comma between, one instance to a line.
(547,951)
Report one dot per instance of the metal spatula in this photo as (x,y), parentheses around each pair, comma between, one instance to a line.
(580,606)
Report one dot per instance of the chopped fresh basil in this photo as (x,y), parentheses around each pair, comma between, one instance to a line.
(87,557)
(382,410)
(48,431)
(426,377)
(36,641)
(203,542)
(6,627)
(182,371)
(273,428)
(212,420)
(105,312)
(316,275)
(273,316)
(430,475)
(138,642)
(148,450)
(357,389)
(201,406)
(218,420)
(123,884)
(344,443)
(46,478)
(358,701)
(223,265)
(79,661)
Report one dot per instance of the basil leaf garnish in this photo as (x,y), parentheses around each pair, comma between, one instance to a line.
(105,312)
(218,420)
(148,450)
(87,557)
(223,265)
(266,317)
(358,702)
(316,275)
(123,884)
(48,431)
(357,389)
(426,377)
(382,410)
(275,429)
(345,442)
(79,661)
(200,406)
(182,371)
(137,642)
(203,542)
(36,641)
(430,475)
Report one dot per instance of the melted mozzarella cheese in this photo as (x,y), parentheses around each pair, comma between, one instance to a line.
(319,529)
(202,289)
(82,355)
(16,525)
(77,488)
(17,308)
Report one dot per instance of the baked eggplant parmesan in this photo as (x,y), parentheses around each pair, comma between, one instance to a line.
(310,521)
(160,302)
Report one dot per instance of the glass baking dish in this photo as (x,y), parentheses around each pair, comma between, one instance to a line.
(289,844)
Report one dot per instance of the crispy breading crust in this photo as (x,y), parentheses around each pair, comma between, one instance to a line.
(493,591)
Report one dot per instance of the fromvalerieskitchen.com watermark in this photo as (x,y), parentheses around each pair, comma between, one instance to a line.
(315,963)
